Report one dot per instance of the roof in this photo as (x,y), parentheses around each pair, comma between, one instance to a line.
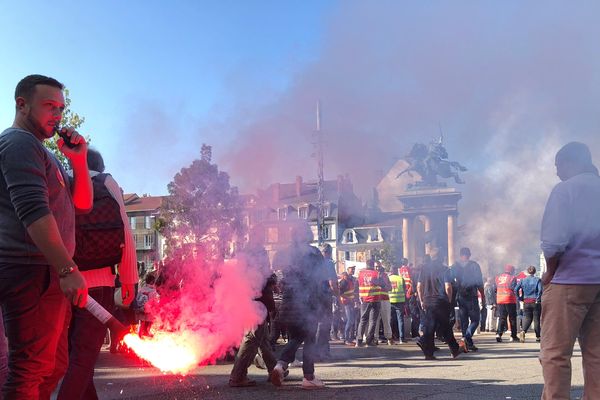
(288,194)
(135,203)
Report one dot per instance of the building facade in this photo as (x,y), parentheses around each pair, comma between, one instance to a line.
(143,212)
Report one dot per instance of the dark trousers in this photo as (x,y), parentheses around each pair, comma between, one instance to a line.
(86,336)
(324,329)
(254,341)
(532,312)
(436,317)
(298,333)
(507,311)
(415,316)
(369,313)
(35,313)
(398,316)
(469,310)
(349,332)
(482,318)
(276,329)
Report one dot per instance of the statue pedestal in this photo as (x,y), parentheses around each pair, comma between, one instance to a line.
(429,220)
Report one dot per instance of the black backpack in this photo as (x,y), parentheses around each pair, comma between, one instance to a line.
(100,234)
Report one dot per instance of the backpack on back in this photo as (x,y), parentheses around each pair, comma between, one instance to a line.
(100,234)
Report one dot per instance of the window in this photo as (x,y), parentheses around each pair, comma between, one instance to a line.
(149,241)
(272,235)
(326,211)
(303,212)
(375,235)
(326,232)
(349,237)
(132,222)
(148,222)
(282,213)
(350,255)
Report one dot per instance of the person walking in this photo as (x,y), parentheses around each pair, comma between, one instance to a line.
(529,291)
(506,301)
(398,302)
(370,283)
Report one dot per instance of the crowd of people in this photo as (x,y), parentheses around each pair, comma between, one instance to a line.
(45,279)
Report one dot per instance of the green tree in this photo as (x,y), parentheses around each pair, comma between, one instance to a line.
(202,208)
(389,255)
(69,118)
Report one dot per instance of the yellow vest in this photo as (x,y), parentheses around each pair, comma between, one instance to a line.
(397,294)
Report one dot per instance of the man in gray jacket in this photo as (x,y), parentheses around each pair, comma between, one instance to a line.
(37,238)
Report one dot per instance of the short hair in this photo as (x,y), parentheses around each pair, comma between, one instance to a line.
(326,248)
(575,152)
(394,270)
(531,270)
(352,267)
(95,160)
(404,261)
(465,251)
(26,86)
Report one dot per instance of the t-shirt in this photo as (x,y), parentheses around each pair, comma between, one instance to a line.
(468,278)
(33,184)
(433,278)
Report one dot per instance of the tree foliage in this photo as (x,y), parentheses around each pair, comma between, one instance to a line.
(202,208)
(389,255)
(69,118)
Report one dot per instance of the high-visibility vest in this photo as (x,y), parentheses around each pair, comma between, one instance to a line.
(397,294)
(369,292)
(505,285)
(404,273)
(347,297)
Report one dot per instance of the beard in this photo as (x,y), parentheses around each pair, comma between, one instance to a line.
(41,131)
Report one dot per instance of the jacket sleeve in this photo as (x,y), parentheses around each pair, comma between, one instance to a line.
(517,291)
(128,273)
(540,289)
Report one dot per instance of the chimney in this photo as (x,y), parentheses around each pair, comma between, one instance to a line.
(298,186)
(340,184)
(276,192)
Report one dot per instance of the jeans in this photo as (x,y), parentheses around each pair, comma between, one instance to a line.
(324,329)
(482,318)
(369,313)
(398,313)
(490,320)
(469,310)
(570,312)
(86,336)
(349,332)
(254,341)
(36,315)
(385,316)
(507,311)
(304,331)
(436,317)
(415,316)
(531,312)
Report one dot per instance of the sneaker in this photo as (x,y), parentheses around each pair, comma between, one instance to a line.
(242,383)
(402,341)
(359,344)
(513,339)
(390,342)
(522,337)
(296,364)
(315,383)
(277,375)
(349,343)
(498,338)
(537,339)
(472,347)
(461,349)
(428,358)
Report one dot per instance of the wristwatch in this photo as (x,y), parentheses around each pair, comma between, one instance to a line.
(66,271)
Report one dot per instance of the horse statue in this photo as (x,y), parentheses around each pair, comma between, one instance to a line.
(430,162)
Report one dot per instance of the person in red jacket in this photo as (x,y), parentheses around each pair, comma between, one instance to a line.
(506,301)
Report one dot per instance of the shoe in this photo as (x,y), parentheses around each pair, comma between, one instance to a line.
(498,338)
(513,339)
(359,344)
(402,341)
(350,343)
(390,342)
(537,339)
(428,358)
(418,342)
(461,349)
(243,383)
(522,337)
(296,364)
(277,375)
(435,348)
(472,347)
(316,383)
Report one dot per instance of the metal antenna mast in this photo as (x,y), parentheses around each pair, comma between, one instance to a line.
(320,183)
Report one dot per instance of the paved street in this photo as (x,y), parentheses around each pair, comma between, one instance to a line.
(497,371)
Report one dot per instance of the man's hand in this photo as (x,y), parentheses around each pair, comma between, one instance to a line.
(127,293)
(547,278)
(75,154)
(74,287)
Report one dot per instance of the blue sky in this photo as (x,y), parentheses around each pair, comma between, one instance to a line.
(188,61)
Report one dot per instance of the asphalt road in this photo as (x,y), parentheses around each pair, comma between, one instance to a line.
(498,371)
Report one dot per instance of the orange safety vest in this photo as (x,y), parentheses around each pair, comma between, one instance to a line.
(347,297)
(369,292)
(403,272)
(505,285)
